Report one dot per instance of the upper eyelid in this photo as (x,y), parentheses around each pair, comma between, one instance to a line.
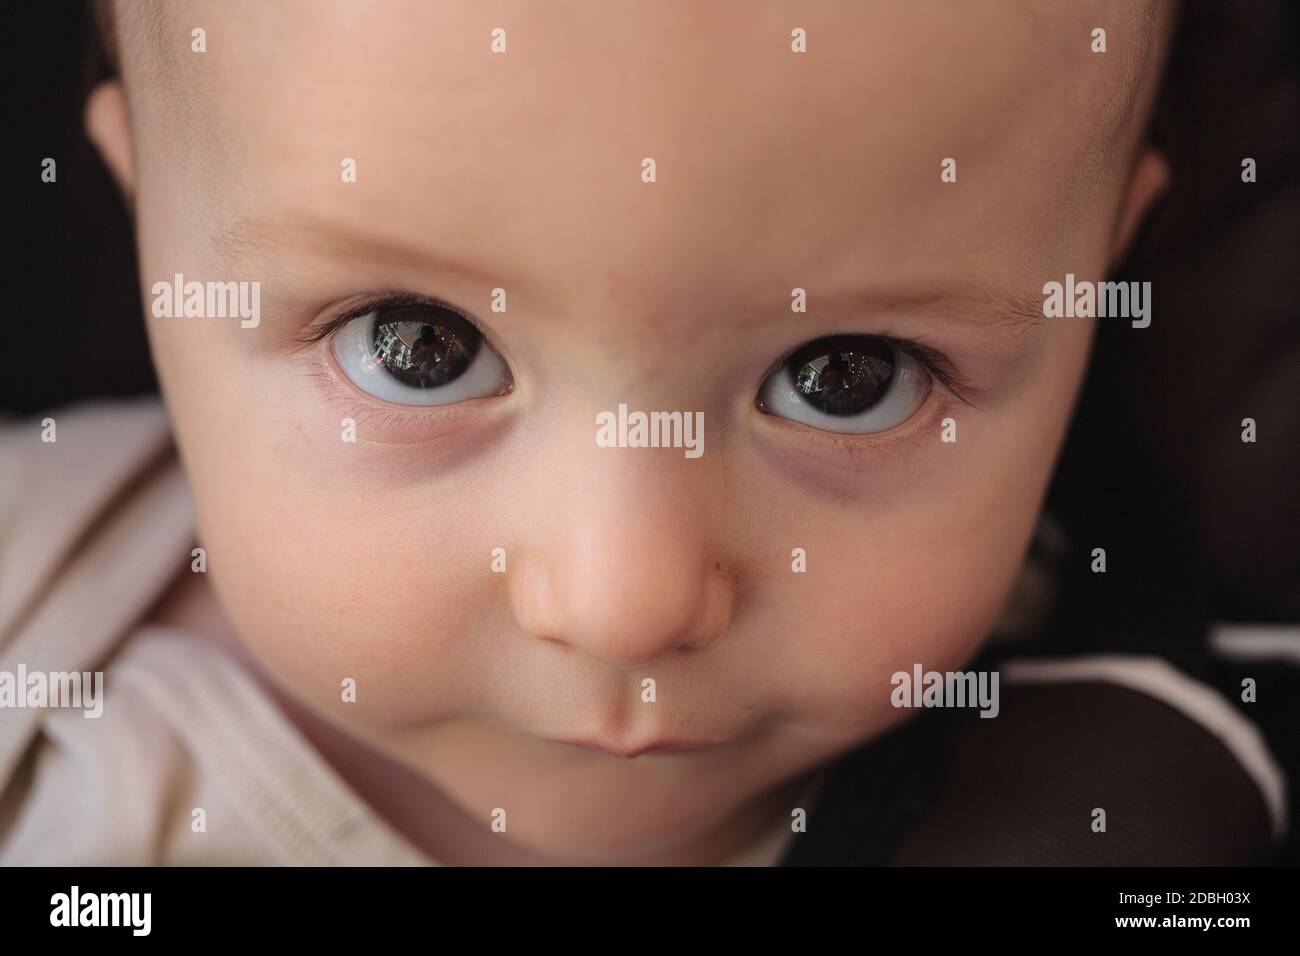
(935,361)
(317,331)
(937,364)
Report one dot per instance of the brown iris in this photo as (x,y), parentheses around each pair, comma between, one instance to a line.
(843,374)
(424,346)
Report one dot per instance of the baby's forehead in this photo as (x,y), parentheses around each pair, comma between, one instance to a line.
(669,67)
(782,121)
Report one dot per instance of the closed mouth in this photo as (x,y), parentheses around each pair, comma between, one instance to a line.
(655,747)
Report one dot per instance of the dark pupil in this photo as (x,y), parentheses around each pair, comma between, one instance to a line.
(424,346)
(843,375)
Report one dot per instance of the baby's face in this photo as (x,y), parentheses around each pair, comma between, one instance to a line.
(524,171)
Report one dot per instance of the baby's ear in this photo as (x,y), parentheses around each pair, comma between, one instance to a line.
(1148,183)
(109,128)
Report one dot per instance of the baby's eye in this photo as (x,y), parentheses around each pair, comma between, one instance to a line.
(847,383)
(417,353)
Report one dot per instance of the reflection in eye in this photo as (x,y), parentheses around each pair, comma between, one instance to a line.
(416,353)
(855,384)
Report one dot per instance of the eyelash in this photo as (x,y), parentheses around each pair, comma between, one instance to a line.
(381,300)
(935,362)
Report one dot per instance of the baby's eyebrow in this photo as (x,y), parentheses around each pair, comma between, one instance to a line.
(1012,315)
(247,239)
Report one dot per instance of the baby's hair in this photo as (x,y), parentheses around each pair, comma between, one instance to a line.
(1142,68)
(141,46)
(105,31)
(119,33)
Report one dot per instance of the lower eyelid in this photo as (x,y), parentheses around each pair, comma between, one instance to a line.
(862,450)
(385,423)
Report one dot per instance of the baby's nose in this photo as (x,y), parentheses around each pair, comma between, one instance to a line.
(630,574)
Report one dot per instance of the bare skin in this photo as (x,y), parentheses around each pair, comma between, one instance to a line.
(371,559)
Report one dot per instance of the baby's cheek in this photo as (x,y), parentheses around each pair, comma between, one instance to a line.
(929,596)
(361,607)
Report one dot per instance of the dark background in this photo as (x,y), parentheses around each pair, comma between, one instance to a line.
(74,326)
